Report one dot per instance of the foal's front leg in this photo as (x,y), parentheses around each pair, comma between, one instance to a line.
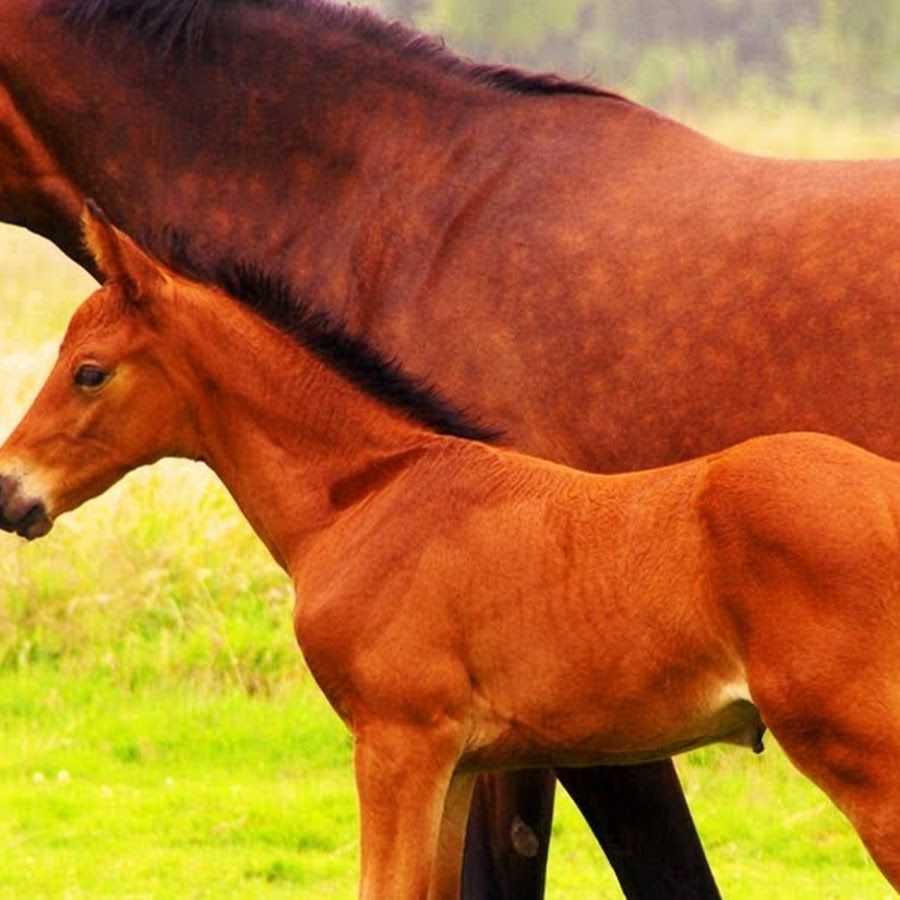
(403,775)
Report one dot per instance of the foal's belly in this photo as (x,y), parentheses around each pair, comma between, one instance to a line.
(645,732)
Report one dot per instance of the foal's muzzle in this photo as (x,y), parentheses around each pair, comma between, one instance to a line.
(21,513)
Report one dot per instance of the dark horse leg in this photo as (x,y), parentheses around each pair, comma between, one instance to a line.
(637,813)
(508,836)
(640,817)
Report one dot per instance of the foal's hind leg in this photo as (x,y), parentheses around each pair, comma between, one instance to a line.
(857,763)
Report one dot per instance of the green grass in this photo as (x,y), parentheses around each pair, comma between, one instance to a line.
(172,793)
(159,734)
(186,792)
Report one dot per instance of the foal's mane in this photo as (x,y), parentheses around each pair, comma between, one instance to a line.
(274,300)
(180,25)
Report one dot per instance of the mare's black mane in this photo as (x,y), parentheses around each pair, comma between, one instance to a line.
(179,25)
(273,299)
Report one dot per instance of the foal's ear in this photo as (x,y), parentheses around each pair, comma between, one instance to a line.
(119,257)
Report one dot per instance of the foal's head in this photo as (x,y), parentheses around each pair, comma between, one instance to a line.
(115,399)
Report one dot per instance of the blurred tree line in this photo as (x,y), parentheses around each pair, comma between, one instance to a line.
(836,55)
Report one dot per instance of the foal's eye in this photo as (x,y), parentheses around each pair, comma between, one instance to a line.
(90,376)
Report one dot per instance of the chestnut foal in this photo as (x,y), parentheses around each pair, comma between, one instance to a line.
(465,607)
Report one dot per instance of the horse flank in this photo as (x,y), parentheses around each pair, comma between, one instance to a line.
(178,27)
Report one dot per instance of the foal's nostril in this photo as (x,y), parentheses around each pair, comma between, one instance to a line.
(36,523)
(20,513)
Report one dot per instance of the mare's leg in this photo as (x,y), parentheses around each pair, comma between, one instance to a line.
(402,779)
(637,813)
(508,836)
(640,817)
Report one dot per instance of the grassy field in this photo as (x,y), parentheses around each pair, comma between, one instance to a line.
(159,735)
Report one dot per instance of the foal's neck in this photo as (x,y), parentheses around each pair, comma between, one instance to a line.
(294,442)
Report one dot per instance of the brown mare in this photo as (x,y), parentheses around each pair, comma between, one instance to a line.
(608,288)
(466,607)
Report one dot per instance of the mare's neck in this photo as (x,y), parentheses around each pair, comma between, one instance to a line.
(283,127)
(37,189)
(295,444)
